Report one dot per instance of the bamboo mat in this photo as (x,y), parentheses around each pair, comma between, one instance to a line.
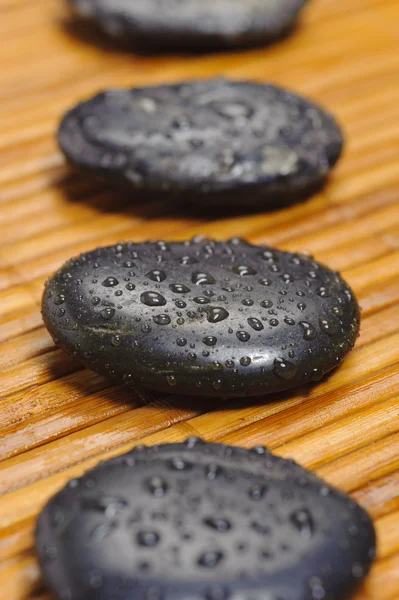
(57,419)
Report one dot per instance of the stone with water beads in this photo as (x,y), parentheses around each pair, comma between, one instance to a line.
(215,142)
(202,317)
(203,522)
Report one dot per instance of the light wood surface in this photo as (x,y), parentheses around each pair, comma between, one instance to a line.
(56,419)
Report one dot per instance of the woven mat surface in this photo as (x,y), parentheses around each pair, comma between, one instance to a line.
(56,419)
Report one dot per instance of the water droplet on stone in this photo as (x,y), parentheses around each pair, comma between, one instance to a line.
(157,486)
(109,505)
(269,255)
(152,299)
(259,450)
(215,314)
(245,361)
(178,464)
(324,292)
(148,538)
(59,299)
(194,441)
(201,300)
(265,281)
(212,472)
(103,531)
(200,278)
(179,288)
(247,302)
(181,341)
(209,340)
(284,369)
(243,336)
(255,324)
(110,282)
(232,110)
(257,492)
(301,306)
(188,260)
(243,270)
(161,319)
(309,331)
(218,524)
(210,559)
(156,275)
(130,287)
(95,300)
(266,304)
(107,313)
(217,366)
(329,326)
(171,380)
(116,340)
(303,522)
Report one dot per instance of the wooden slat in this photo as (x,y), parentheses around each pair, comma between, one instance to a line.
(58,419)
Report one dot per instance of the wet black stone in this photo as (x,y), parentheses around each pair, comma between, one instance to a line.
(192,24)
(292,535)
(206,142)
(159,335)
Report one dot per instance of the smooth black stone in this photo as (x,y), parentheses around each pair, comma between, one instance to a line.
(214,142)
(192,24)
(203,522)
(202,317)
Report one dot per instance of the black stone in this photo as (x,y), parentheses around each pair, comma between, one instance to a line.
(206,142)
(221,318)
(261,527)
(192,24)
